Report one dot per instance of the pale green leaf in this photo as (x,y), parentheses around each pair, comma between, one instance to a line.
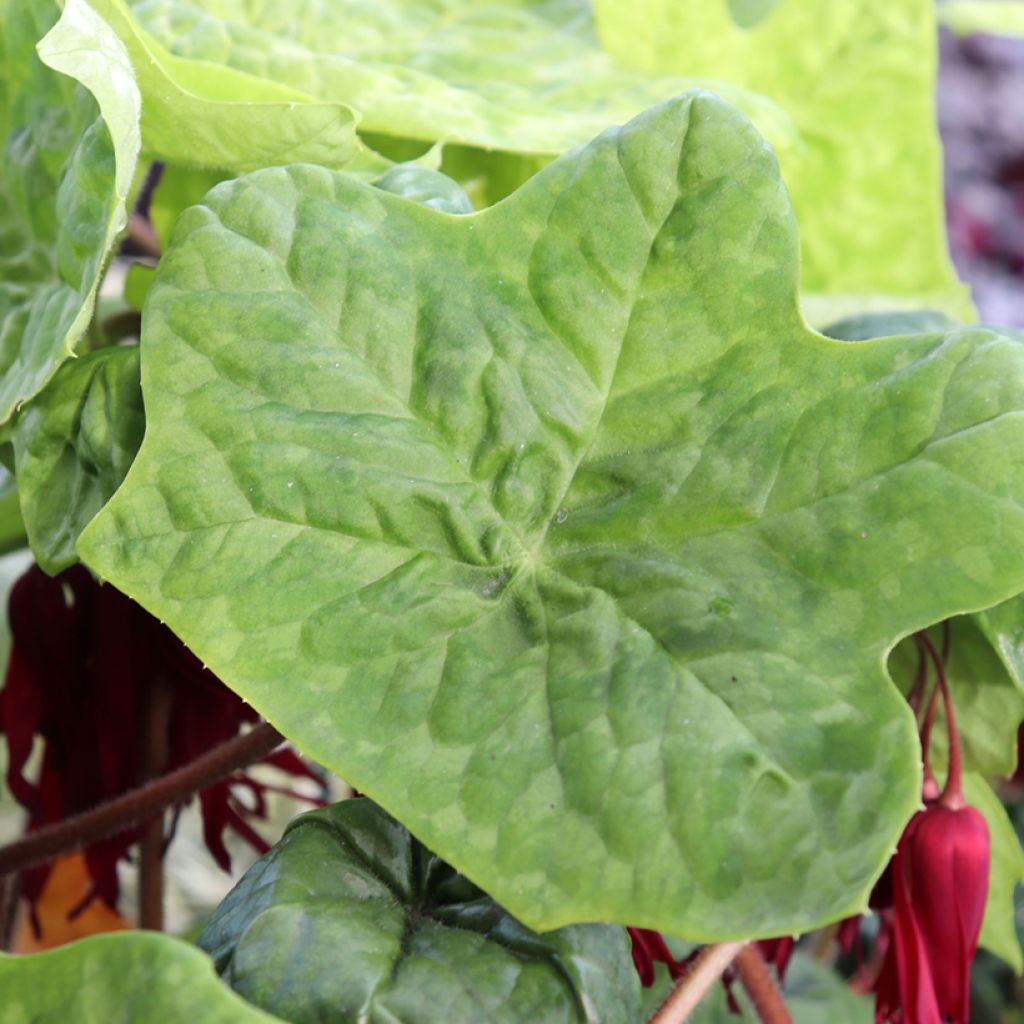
(518,76)
(207,115)
(858,78)
(996,17)
(748,13)
(120,978)
(349,919)
(1004,627)
(73,445)
(64,180)
(999,931)
(555,529)
(12,528)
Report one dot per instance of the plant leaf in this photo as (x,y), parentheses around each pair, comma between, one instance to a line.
(348,918)
(208,115)
(867,187)
(999,930)
(142,977)
(64,179)
(556,530)
(515,76)
(73,445)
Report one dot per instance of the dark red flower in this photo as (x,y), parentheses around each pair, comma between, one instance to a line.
(648,948)
(85,664)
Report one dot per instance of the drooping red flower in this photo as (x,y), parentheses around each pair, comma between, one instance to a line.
(938,885)
(649,948)
(85,665)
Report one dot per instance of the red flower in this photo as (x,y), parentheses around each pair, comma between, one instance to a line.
(648,947)
(939,884)
(85,663)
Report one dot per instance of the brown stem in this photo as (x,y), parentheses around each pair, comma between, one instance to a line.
(152,762)
(129,810)
(761,987)
(10,896)
(694,984)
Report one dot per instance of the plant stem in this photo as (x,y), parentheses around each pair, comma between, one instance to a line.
(152,762)
(694,984)
(129,810)
(10,896)
(952,794)
(761,987)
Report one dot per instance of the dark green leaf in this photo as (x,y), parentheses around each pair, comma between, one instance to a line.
(349,919)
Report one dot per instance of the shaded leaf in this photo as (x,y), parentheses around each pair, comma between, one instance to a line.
(858,80)
(348,919)
(65,174)
(73,445)
(556,530)
(125,976)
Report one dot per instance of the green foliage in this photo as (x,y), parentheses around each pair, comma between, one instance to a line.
(556,530)
(518,76)
(997,17)
(349,919)
(857,78)
(121,978)
(65,174)
(73,445)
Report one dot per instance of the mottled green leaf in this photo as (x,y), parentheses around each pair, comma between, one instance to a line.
(996,17)
(519,76)
(555,529)
(73,445)
(999,931)
(1004,627)
(12,528)
(858,78)
(888,324)
(349,919)
(120,978)
(988,705)
(208,115)
(64,177)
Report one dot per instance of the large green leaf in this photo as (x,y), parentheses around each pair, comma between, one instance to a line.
(858,79)
(120,978)
(520,76)
(73,445)
(64,178)
(208,115)
(999,929)
(557,531)
(349,919)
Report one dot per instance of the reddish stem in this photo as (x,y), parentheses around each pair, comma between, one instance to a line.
(952,795)
(129,810)
(761,987)
(153,760)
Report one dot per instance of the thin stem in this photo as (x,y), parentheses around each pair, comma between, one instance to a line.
(761,987)
(10,896)
(134,807)
(952,795)
(694,984)
(920,677)
(153,760)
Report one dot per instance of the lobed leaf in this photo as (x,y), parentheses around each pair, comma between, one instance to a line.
(65,174)
(137,977)
(858,79)
(555,529)
(349,919)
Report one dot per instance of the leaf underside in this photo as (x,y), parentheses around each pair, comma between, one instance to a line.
(554,528)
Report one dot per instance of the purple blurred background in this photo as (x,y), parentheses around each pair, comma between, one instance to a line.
(981,118)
